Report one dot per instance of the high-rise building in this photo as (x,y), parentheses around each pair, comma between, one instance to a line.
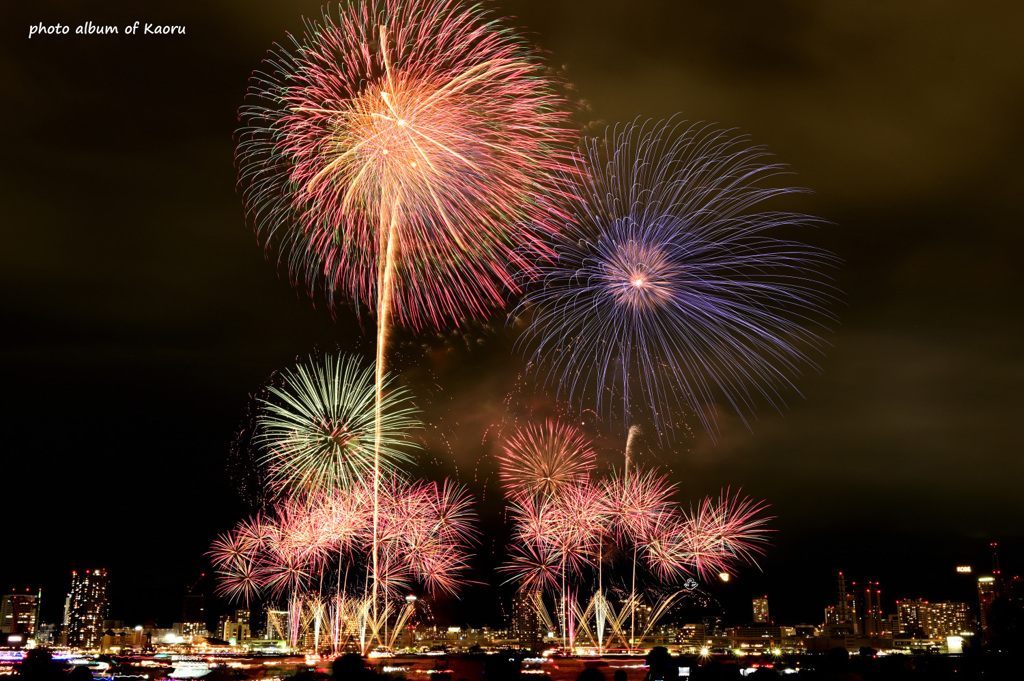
(62,637)
(842,614)
(277,625)
(840,619)
(48,635)
(193,618)
(526,619)
(86,608)
(986,598)
(761,611)
(19,613)
(867,609)
(934,620)
(234,626)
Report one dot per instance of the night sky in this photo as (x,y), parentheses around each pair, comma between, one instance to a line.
(139,313)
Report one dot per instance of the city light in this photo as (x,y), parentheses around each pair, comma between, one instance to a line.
(963,569)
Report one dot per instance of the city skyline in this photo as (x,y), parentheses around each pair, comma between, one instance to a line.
(143,315)
(741,608)
(855,622)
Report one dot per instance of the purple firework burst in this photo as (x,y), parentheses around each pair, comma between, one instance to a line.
(667,284)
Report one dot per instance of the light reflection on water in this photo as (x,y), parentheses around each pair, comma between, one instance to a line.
(471,668)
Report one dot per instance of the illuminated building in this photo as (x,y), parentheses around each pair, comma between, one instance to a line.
(758,637)
(840,619)
(277,625)
(86,608)
(234,626)
(19,613)
(693,635)
(526,619)
(867,609)
(842,613)
(986,598)
(190,631)
(642,618)
(48,635)
(934,620)
(193,621)
(62,638)
(236,631)
(761,611)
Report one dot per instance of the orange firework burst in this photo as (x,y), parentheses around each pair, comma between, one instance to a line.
(545,460)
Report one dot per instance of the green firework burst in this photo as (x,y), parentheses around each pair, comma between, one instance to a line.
(316,427)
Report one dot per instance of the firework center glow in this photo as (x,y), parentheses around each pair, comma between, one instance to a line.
(640,276)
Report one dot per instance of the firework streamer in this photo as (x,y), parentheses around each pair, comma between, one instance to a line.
(669,290)
(634,431)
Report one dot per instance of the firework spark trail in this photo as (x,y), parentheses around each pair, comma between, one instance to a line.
(667,283)
(634,499)
(535,565)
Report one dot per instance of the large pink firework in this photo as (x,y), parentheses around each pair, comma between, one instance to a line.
(565,529)
(537,519)
(414,136)
(584,523)
(239,577)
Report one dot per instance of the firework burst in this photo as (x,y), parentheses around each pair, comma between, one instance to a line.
(718,533)
(545,460)
(420,134)
(633,500)
(425,531)
(316,428)
(667,283)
